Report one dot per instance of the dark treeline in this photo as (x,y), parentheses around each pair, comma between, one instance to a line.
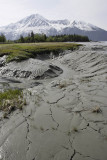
(31,38)
(2,38)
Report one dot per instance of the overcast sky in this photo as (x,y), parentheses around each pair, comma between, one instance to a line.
(92,11)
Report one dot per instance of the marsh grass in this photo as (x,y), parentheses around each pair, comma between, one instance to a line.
(96,110)
(63,85)
(19,52)
(11,100)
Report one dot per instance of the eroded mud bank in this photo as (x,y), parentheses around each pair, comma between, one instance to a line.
(66,116)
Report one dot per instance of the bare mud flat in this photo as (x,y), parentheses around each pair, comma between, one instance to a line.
(66,113)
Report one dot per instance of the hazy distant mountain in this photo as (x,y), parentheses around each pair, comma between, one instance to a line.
(39,24)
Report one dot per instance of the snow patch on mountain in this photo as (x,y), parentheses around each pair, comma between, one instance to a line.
(84,26)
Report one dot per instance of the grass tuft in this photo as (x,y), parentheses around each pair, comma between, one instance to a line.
(11,100)
(96,110)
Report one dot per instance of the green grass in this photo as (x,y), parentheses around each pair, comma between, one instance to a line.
(11,100)
(19,52)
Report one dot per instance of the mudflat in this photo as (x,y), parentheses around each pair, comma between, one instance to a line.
(65,117)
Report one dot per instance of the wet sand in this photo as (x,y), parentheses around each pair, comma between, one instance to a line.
(66,115)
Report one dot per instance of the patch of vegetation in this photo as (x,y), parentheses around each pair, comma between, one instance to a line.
(19,52)
(96,110)
(11,100)
(62,85)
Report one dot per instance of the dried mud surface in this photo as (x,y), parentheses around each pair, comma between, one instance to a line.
(66,115)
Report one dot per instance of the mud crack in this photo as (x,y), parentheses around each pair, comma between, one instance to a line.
(54,119)
(57,100)
(28,130)
(73,155)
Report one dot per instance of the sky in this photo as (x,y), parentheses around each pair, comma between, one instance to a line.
(91,11)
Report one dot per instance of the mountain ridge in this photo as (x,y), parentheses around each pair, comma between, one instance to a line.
(39,24)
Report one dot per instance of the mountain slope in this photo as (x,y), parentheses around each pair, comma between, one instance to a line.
(39,24)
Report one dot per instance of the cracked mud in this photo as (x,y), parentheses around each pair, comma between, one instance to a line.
(66,115)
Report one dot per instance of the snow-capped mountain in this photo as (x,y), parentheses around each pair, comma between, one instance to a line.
(84,26)
(39,24)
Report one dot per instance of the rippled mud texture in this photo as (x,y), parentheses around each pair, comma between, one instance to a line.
(66,116)
(23,74)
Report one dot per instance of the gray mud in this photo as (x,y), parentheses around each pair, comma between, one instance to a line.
(66,114)
(25,73)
